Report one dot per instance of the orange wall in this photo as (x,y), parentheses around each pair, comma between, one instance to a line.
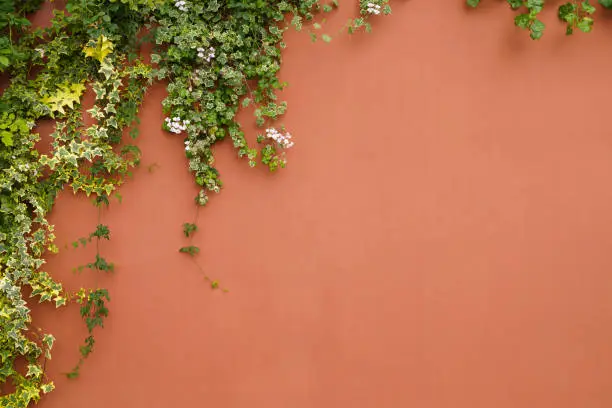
(441,237)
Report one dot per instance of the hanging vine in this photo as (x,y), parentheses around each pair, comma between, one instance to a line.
(216,56)
(575,14)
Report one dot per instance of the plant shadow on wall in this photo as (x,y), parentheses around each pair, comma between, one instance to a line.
(216,56)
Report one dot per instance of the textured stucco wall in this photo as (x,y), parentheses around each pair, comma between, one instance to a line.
(441,237)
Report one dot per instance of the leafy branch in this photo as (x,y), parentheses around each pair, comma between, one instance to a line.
(207,52)
(575,14)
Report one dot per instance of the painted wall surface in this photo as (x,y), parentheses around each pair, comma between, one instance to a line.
(441,237)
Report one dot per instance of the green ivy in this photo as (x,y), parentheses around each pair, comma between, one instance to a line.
(216,57)
(575,14)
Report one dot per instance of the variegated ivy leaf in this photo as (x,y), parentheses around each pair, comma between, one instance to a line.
(48,387)
(106,69)
(99,90)
(95,112)
(34,371)
(99,48)
(48,340)
(66,95)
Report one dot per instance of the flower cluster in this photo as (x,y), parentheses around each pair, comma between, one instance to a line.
(373,8)
(211,53)
(175,125)
(283,141)
(181,5)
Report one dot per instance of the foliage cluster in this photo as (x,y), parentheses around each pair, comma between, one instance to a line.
(576,14)
(215,56)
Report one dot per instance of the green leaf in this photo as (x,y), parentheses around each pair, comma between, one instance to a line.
(535,5)
(326,38)
(48,387)
(566,11)
(189,229)
(473,3)
(106,69)
(585,24)
(34,371)
(60,301)
(191,250)
(7,138)
(74,373)
(587,7)
(522,20)
(48,340)
(515,4)
(537,30)
(606,3)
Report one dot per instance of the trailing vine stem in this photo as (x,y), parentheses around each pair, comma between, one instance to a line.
(93,308)
(188,230)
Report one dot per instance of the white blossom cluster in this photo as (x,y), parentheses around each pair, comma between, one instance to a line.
(181,5)
(373,8)
(283,141)
(211,53)
(176,125)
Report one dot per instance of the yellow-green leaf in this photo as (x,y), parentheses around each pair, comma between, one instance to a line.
(102,47)
(67,94)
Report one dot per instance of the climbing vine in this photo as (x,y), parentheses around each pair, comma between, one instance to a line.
(216,57)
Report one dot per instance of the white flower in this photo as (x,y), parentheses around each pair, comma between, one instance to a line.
(207,57)
(373,8)
(176,125)
(284,141)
